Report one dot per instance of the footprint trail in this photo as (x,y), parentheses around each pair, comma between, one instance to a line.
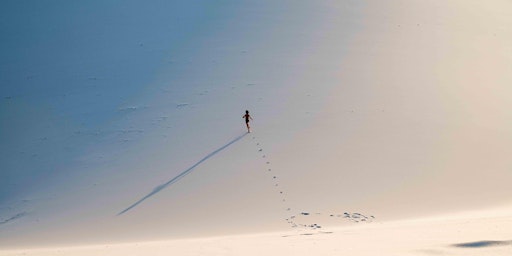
(299,219)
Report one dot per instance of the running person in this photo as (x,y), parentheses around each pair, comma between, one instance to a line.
(247,118)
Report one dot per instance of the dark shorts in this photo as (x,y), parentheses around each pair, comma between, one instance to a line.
(246,121)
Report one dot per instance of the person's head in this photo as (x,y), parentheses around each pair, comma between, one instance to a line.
(247,111)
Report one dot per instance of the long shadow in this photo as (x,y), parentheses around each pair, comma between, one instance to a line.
(181,175)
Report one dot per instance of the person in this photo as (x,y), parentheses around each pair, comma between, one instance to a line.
(247,117)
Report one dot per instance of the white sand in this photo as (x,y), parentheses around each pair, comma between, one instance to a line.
(125,124)
(483,233)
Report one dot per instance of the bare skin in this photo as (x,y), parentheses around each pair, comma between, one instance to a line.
(247,118)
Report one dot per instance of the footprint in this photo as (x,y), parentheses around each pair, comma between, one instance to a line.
(15,217)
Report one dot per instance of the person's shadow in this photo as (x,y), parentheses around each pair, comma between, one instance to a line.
(181,175)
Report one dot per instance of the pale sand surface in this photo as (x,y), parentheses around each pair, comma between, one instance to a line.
(396,109)
(482,233)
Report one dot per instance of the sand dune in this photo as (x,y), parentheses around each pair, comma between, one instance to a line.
(379,128)
(483,233)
